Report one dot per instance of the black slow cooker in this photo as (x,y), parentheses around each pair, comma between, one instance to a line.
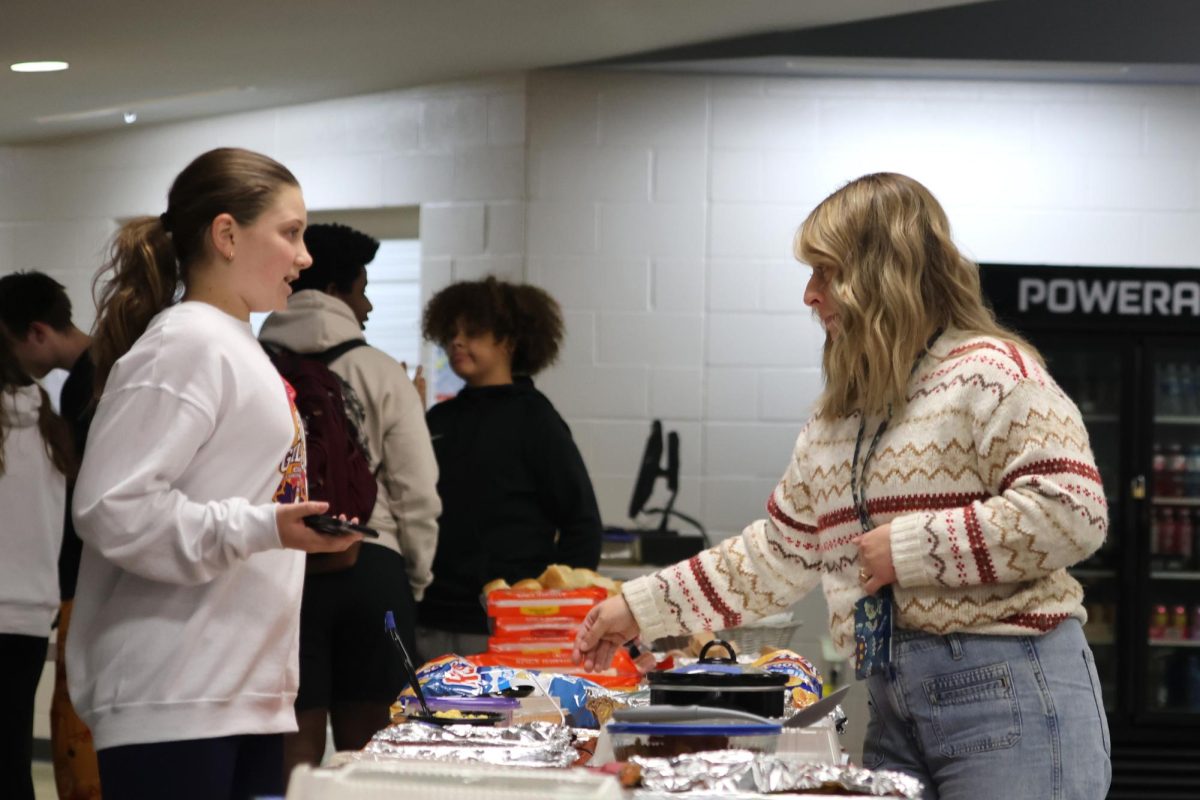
(720,683)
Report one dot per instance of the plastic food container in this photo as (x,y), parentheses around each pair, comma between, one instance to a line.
(504,706)
(664,740)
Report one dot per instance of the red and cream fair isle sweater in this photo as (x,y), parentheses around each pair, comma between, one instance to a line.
(989,484)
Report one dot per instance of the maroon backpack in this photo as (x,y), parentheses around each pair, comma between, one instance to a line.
(338,468)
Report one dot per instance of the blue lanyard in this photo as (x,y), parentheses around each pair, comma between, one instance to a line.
(858,488)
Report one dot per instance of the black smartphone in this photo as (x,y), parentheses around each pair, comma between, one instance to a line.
(323,523)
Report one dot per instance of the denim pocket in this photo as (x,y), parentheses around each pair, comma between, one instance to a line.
(974,711)
(873,741)
(1090,661)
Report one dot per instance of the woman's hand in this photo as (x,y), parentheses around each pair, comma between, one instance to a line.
(295,535)
(607,627)
(875,558)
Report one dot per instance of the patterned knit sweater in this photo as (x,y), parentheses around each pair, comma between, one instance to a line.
(989,484)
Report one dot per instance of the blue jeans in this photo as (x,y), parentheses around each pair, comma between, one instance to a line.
(989,716)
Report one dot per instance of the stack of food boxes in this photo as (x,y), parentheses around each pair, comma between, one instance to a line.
(535,621)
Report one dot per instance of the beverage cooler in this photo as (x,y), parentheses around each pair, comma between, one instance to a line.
(1125,345)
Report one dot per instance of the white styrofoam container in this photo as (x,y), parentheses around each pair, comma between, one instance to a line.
(377,780)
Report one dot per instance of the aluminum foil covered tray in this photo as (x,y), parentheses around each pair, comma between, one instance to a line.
(534,744)
(741,771)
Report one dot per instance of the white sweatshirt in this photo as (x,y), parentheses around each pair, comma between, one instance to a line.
(32,494)
(407,506)
(186,618)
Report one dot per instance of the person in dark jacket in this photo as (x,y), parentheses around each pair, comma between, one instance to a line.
(516,496)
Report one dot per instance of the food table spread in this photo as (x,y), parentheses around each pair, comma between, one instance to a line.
(522,721)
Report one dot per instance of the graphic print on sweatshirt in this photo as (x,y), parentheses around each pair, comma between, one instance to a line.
(293,486)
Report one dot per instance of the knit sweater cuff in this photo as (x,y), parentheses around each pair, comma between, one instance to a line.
(639,595)
(908,549)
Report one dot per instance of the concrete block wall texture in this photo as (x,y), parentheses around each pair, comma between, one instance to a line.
(457,151)
(662,210)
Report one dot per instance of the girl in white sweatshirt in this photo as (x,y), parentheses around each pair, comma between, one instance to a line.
(192,493)
(35,456)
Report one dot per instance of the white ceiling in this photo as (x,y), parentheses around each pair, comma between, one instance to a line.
(174,59)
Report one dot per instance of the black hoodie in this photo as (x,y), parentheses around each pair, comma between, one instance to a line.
(516,498)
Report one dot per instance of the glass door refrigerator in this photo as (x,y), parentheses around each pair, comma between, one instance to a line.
(1125,345)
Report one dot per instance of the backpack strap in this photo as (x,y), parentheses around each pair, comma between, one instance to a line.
(327,357)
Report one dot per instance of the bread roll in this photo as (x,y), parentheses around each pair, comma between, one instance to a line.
(492,586)
(528,585)
(558,576)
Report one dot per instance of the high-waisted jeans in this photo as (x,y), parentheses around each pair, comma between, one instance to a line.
(992,716)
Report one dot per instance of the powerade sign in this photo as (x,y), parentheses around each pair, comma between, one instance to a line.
(1163,299)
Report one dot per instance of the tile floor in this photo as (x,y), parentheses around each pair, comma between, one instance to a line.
(43,781)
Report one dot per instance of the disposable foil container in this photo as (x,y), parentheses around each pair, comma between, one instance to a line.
(727,771)
(534,744)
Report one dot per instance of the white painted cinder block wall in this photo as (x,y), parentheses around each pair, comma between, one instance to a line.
(457,151)
(661,213)
(660,210)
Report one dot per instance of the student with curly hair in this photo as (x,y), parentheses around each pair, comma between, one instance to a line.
(516,496)
(349,671)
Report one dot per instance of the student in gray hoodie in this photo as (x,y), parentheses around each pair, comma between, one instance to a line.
(348,670)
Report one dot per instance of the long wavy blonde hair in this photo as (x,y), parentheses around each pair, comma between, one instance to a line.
(897,277)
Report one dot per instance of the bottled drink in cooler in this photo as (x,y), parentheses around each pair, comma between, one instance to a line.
(1158,467)
(1158,623)
(1156,531)
(1177,464)
(1195,540)
(1193,682)
(1166,538)
(1192,479)
(1183,538)
(1187,389)
(1177,631)
(1169,390)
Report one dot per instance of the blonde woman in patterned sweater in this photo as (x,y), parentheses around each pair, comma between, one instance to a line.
(945,476)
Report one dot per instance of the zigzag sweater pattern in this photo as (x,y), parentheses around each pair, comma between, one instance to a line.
(989,483)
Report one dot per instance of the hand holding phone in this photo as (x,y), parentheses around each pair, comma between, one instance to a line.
(333,526)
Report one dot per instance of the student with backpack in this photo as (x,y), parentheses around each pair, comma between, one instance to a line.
(36,311)
(349,671)
(192,495)
(35,458)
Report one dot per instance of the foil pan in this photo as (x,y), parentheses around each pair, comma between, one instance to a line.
(534,744)
(725,771)
(837,716)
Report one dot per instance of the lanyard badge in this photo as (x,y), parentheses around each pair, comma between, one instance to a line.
(873,613)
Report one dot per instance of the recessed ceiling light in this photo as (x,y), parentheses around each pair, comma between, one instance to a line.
(39,66)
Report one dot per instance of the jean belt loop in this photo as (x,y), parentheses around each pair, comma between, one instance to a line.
(956,648)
